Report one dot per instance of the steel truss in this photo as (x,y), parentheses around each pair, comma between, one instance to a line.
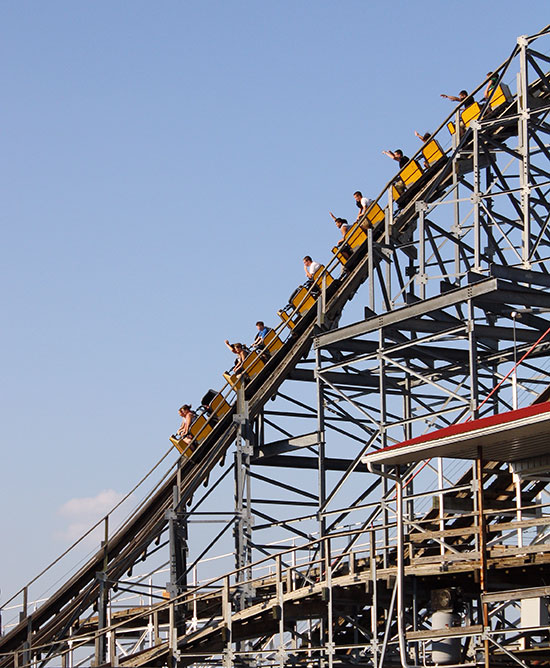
(305,556)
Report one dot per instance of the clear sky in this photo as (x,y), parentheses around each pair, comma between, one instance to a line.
(165,166)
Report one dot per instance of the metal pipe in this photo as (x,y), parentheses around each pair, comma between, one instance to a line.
(401,573)
(482,550)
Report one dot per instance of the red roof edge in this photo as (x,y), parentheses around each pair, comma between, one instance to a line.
(474,425)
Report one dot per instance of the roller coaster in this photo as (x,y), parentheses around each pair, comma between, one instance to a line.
(423,539)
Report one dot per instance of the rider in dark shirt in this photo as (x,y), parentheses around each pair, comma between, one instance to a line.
(397,155)
(461,97)
(402,160)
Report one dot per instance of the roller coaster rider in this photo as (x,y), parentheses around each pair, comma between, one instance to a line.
(363,203)
(187,416)
(343,226)
(242,352)
(402,160)
(258,343)
(453,98)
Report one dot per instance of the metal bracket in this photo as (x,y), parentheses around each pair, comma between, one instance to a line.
(422,279)
(523,40)
(457,230)
(247,449)
(282,656)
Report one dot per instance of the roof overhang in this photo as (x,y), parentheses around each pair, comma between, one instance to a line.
(506,437)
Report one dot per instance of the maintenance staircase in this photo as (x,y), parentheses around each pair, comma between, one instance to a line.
(301,593)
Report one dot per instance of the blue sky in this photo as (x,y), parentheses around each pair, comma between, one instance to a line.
(165,167)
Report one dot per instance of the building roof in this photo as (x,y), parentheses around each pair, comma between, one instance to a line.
(507,437)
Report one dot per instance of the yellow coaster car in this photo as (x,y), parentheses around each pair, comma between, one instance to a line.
(304,298)
(198,431)
(410,174)
(255,361)
(215,405)
(251,367)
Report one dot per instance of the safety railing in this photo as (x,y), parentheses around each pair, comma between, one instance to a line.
(319,567)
